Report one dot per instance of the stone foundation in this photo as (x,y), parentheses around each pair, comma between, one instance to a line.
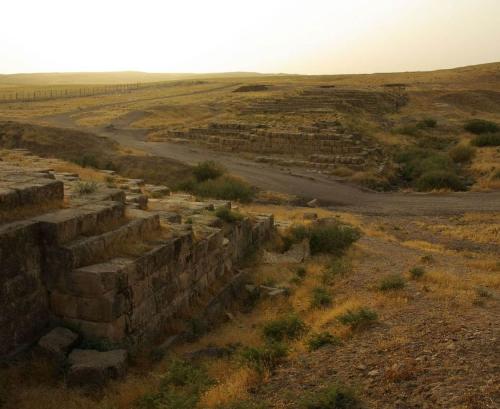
(107,269)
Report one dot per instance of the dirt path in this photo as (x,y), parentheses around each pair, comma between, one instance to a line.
(327,190)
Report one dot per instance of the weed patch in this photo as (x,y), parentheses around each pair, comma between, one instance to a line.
(266,357)
(286,328)
(228,215)
(208,170)
(488,139)
(359,318)
(480,126)
(85,188)
(320,298)
(318,340)
(417,272)
(392,282)
(331,397)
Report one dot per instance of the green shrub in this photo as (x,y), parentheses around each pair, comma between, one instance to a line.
(85,188)
(409,130)
(488,139)
(266,357)
(225,187)
(332,238)
(288,327)
(301,272)
(427,123)
(243,405)
(359,318)
(462,153)
(180,388)
(228,215)
(208,170)
(480,126)
(88,161)
(337,267)
(417,272)
(320,297)
(318,340)
(439,179)
(392,282)
(331,397)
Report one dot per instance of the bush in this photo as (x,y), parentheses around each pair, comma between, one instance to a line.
(228,215)
(462,153)
(318,340)
(208,170)
(301,272)
(359,318)
(289,327)
(320,297)
(488,139)
(417,272)
(439,179)
(332,239)
(338,267)
(242,405)
(85,188)
(181,388)
(480,126)
(266,357)
(331,397)
(225,187)
(392,282)
(88,161)
(427,123)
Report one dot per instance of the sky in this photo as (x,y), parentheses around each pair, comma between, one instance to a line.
(292,36)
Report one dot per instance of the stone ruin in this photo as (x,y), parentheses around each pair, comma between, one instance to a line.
(117,264)
(323,145)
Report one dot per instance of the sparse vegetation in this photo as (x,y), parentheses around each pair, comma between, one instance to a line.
(329,238)
(321,297)
(208,170)
(286,328)
(439,179)
(338,267)
(321,339)
(265,357)
(228,215)
(225,187)
(392,282)
(358,318)
(86,188)
(417,272)
(487,139)
(331,397)
(480,126)
(462,153)
(427,123)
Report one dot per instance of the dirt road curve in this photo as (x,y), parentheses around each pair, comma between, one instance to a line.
(333,193)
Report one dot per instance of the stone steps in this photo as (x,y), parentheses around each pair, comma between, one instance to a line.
(65,225)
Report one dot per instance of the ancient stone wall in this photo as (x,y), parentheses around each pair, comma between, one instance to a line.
(99,264)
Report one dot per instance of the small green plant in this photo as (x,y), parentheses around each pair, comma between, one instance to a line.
(359,318)
(487,139)
(285,328)
(85,188)
(320,298)
(483,292)
(331,397)
(301,272)
(427,258)
(318,340)
(208,170)
(392,282)
(338,267)
(427,123)
(462,153)
(481,126)
(180,388)
(265,357)
(225,187)
(228,215)
(417,272)
(439,179)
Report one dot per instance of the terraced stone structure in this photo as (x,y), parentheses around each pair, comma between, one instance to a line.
(87,256)
(322,145)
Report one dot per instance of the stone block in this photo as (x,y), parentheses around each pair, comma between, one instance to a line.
(58,342)
(91,367)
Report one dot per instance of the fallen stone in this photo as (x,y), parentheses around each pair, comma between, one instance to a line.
(313,203)
(88,366)
(58,342)
(298,253)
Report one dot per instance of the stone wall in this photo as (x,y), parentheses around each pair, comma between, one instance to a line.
(105,267)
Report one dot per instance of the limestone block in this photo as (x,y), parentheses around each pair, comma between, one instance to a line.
(94,367)
(58,342)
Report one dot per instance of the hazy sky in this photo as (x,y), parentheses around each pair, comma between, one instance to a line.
(295,36)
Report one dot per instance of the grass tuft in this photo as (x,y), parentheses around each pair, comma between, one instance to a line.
(392,282)
(331,397)
(318,340)
(359,318)
(286,328)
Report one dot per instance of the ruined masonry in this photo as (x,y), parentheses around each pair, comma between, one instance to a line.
(119,264)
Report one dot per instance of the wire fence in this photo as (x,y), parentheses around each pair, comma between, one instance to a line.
(71,91)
